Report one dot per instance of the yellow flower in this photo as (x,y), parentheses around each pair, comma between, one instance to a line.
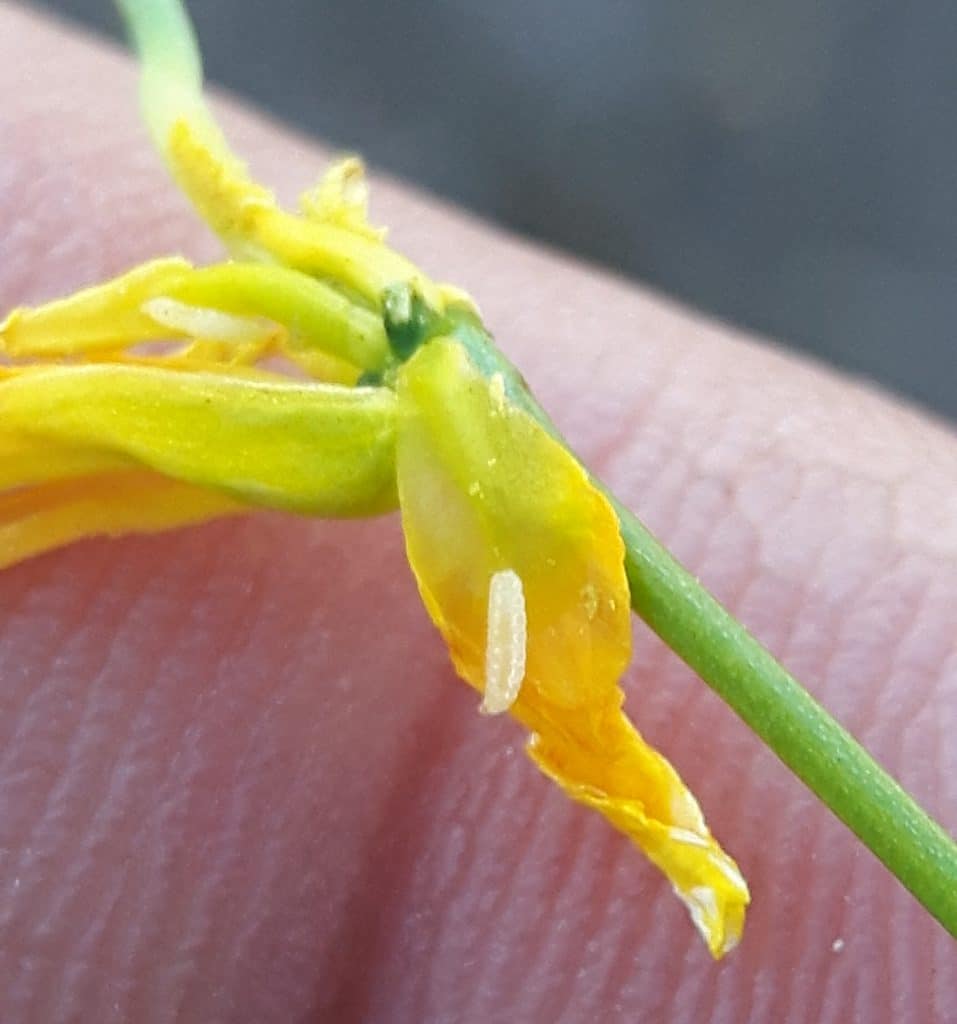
(322,373)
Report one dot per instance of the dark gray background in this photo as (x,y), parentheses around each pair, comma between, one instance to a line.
(786,164)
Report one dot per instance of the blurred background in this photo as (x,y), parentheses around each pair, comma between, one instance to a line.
(787,166)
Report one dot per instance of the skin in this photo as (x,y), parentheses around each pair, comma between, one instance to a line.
(238,779)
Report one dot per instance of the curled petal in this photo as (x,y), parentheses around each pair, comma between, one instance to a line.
(237,305)
(103,318)
(245,215)
(662,817)
(25,461)
(52,514)
(251,223)
(306,447)
(315,316)
(485,491)
(342,197)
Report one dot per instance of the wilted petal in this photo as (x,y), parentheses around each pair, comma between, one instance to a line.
(342,197)
(105,317)
(50,515)
(244,214)
(248,309)
(307,447)
(484,490)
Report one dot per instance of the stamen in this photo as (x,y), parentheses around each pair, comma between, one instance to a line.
(506,638)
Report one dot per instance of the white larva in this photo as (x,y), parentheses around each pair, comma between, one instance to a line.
(505,644)
(200,322)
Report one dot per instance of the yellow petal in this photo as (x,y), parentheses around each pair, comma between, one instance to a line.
(250,222)
(485,491)
(38,519)
(311,448)
(30,460)
(104,317)
(234,304)
(244,214)
(316,317)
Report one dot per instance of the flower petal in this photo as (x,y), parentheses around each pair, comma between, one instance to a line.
(235,304)
(342,197)
(102,318)
(245,215)
(484,490)
(316,317)
(29,460)
(312,448)
(50,515)
(253,226)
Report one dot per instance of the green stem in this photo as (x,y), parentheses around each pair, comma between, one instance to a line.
(802,734)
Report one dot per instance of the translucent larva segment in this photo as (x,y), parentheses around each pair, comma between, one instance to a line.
(207,324)
(505,642)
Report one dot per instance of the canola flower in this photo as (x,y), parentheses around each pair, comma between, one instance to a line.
(320,372)
(399,400)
